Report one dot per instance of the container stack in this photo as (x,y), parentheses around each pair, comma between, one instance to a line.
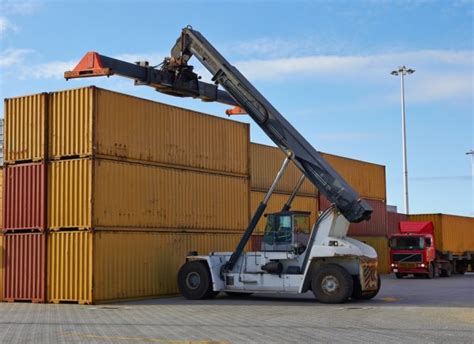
(24,184)
(132,186)
(366,178)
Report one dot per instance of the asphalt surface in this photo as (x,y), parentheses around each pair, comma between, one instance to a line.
(405,311)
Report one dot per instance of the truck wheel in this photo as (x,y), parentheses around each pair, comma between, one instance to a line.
(399,275)
(358,294)
(431,272)
(461,269)
(194,281)
(331,283)
(237,295)
(446,272)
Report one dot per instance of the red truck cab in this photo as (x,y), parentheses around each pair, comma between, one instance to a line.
(412,250)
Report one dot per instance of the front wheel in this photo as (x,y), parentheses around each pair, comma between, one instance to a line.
(431,271)
(331,283)
(195,282)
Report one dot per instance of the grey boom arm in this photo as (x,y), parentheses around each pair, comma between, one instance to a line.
(283,134)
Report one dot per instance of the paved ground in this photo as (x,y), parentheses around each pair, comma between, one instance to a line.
(405,311)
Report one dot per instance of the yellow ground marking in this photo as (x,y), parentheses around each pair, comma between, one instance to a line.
(144,339)
(390,299)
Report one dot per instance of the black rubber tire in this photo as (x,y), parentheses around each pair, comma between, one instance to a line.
(237,295)
(399,275)
(335,276)
(446,272)
(194,281)
(431,272)
(358,294)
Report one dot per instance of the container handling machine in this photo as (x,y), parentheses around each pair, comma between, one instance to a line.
(293,258)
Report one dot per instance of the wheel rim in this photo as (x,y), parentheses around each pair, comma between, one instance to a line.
(330,284)
(193,280)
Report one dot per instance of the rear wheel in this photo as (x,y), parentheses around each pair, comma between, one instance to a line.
(195,282)
(358,294)
(331,283)
(446,272)
(399,275)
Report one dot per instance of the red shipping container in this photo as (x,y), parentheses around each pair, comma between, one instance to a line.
(393,219)
(24,197)
(24,267)
(376,226)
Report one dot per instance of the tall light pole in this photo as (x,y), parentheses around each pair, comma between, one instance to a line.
(471,153)
(402,71)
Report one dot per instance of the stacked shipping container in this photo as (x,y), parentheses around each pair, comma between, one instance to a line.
(106,193)
(116,168)
(24,195)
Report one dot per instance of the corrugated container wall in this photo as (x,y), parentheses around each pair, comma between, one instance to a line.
(265,162)
(2,266)
(1,198)
(393,221)
(366,178)
(103,266)
(380,244)
(24,267)
(25,197)
(25,128)
(277,201)
(376,226)
(452,233)
(98,193)
(92,121)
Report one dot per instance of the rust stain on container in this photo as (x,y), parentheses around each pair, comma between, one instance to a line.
(265,162)
(24,267)
(452,233)
(87,193)
(24,197)
(25,128)
(104,266)
(380,244)
(376,226)
(303,203)
(96,122)
(393,221)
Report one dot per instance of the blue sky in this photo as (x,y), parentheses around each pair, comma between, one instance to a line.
(324,64)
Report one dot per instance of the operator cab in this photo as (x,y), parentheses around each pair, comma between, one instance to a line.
(286,231)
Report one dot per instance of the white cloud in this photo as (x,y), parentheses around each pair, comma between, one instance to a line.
(19,7)
(6,25)
(49,70)
(11,57)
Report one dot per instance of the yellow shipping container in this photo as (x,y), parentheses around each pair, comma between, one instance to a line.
(366,178)
(265,162)
(277,201)
(96,193)
(92,121)
(2,267)
(452,233)
(380,244)
(25,128)
(103,266)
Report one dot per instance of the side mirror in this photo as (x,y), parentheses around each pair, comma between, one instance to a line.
(428,242)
